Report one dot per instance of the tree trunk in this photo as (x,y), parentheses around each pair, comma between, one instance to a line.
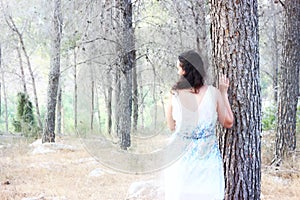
(128,61)
(235,50)
(275,59)
(116,105)
(98,109)
(125,109)
(13,26)
(141,95)
(59,110)
(109,108)
(135,98)
(75,89)
(48,134)
(22,71)
(288,82)
(4,91)
(117,70)
(92,103)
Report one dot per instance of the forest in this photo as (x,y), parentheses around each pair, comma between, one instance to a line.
(84,87)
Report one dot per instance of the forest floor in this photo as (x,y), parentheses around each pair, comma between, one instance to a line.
(32,171)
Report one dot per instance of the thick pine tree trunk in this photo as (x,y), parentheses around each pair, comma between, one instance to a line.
(235,50)
(48,134)
(289,82)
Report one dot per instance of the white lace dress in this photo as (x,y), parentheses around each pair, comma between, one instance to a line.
(198,174)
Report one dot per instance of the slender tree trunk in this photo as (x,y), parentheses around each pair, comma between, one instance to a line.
(275,55)
(141,94)
(22,71)
(235,50)
(98,109)
(13,26)
(135,98)
(108,90)
(288,82)
(109,108)
(92,104)
(75,88)
(59,110)
(49,135)
(117,69)
(154,97)
(116,105)
(4,91)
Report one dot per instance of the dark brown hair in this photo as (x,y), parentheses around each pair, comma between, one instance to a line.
(193,78)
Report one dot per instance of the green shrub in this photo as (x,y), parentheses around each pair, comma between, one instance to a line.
(269,118)
(24,121)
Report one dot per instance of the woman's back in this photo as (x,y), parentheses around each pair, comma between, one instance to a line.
(195,109)
(198,174)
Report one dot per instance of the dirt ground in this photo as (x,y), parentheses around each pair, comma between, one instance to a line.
(68,171)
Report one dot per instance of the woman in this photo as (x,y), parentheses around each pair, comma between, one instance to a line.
(192,112)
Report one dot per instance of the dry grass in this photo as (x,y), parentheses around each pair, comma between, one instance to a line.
(279,182)
(60,175)
(64,174)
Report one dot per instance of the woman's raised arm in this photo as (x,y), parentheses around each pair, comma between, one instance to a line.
(225,114)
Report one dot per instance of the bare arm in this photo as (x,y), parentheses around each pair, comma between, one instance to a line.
(170,120)
(225,114)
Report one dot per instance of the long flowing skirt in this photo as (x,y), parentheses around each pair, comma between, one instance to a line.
(198,174)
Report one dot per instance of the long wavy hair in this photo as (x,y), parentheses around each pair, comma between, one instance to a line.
(193,78)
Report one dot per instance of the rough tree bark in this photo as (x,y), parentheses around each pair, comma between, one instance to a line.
(127,64)
(288,82)
(235,50)
(48,133)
